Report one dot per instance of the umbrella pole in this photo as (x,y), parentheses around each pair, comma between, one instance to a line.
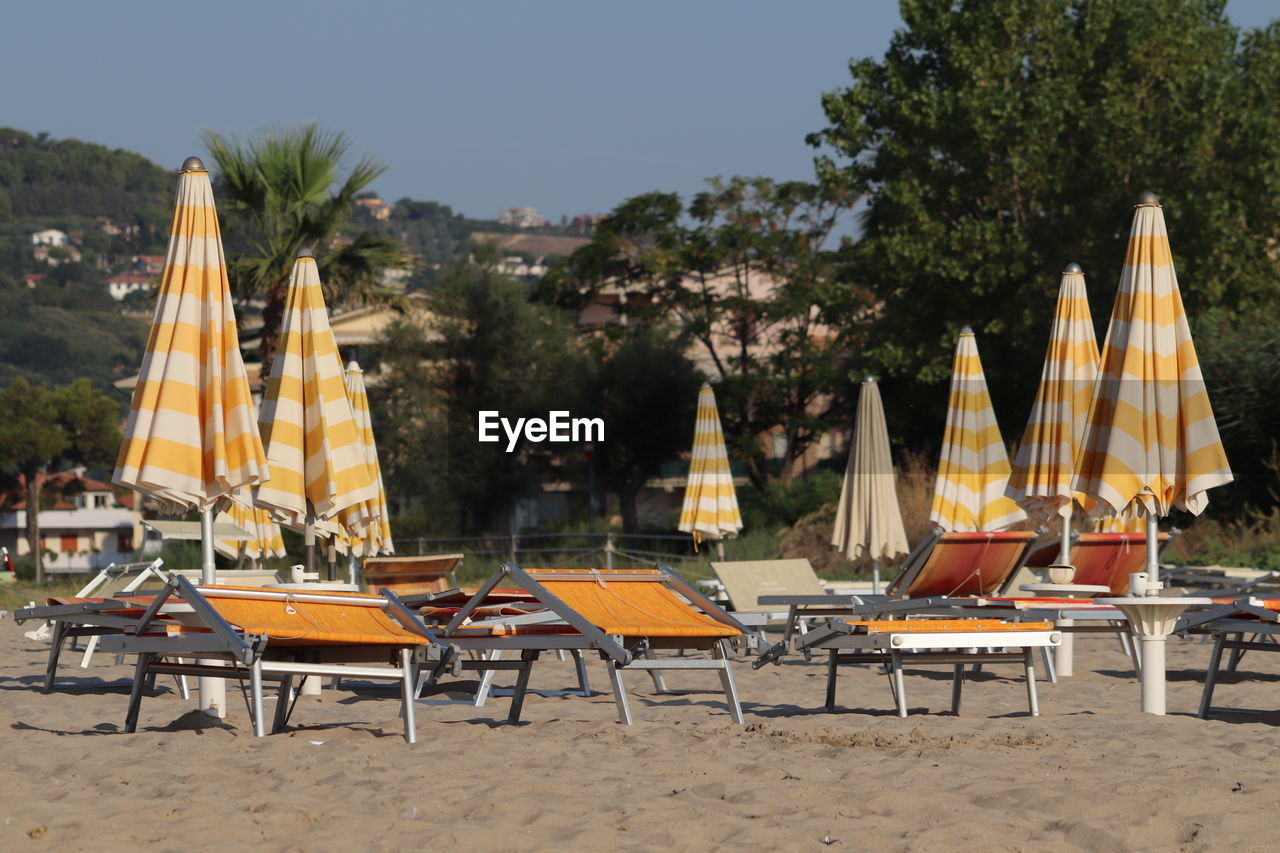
(213,691)
(331,554)
(875,577)
(309,537)
(1064,550)
(1153,563)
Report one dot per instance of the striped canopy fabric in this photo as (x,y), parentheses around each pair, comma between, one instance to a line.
(1150,441)
(191,436)
(973,470)
(868,518)
(1127,521)
(265,540)
(710,503)
(376,538)
(308,425)
(1041,479)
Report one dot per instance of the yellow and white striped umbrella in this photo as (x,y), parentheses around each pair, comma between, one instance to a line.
(1150,440)
(308,425)
(710,502)
(376,538)
(973,469)
(1127,521)
(265,539)
(1041,479)
(191,435)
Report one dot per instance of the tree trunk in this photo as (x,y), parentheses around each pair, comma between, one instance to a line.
(272,315)
(32,484)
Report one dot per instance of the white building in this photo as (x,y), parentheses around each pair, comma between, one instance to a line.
(120,286)
(84,528)
(521,217)
(51,237)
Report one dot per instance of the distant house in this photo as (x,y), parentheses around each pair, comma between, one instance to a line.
(521,217)
(54,255)
(34,279)
(50,237)
(377,208)
(120,286)
(149,264)
(585,223)
(85,527)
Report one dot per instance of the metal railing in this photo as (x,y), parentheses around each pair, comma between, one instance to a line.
(563,547)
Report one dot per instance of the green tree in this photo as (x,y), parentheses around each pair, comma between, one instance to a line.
(73,424)
(998,140)
(283,190)
(745,273)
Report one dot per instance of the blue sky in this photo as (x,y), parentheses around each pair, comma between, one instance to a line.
(570,106)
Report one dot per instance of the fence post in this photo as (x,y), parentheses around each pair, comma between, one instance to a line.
(608,550)
(513,547)
(422,544)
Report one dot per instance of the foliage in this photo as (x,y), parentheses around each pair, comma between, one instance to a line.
(42,428)
(746,277)
(281,191)
(488,349)
(997,141)
(782,504)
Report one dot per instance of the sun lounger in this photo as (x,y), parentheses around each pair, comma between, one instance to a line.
(1243,625)
(269,634)
(761,592)
(406,576)
(623,614)
(955,642)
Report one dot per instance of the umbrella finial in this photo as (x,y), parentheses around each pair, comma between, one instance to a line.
(303,252)
(869,378)
(966,330)
(193,164)
(1073,269)
(1148,199)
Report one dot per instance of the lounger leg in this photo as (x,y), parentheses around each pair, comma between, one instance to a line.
(135,694)
(619,693)
(284,698)
(1050,669)
(55,650)
(1211,675)
(408,684)
(89,646)
(791,626)
(528,656)
(957,684)
(659,686)
(584,683)
(899,686)
(1233,660)
(255,699)
(486,679)
(1030,663)
(832,671)
(730,689)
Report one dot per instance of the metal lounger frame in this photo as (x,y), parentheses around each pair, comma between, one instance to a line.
(926,648)
(611,648)
(241,652)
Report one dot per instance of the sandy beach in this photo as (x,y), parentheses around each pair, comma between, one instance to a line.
(1091,773)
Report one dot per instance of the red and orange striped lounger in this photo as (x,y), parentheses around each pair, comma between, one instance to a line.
(930,641)
(623,614)
(272,634)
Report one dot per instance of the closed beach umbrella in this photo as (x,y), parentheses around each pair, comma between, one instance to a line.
(308,426)
(191,436)
(264,534)
(1041,478)
(376,538)
(710,503)
(973,470)
(868,519)
(1150,441)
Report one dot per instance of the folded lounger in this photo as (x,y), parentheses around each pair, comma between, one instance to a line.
(1228,622)
(623,614)
(270,634)
(407,576)
(761,592)
(930,641)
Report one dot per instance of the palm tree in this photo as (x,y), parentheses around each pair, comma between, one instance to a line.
(282,190)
